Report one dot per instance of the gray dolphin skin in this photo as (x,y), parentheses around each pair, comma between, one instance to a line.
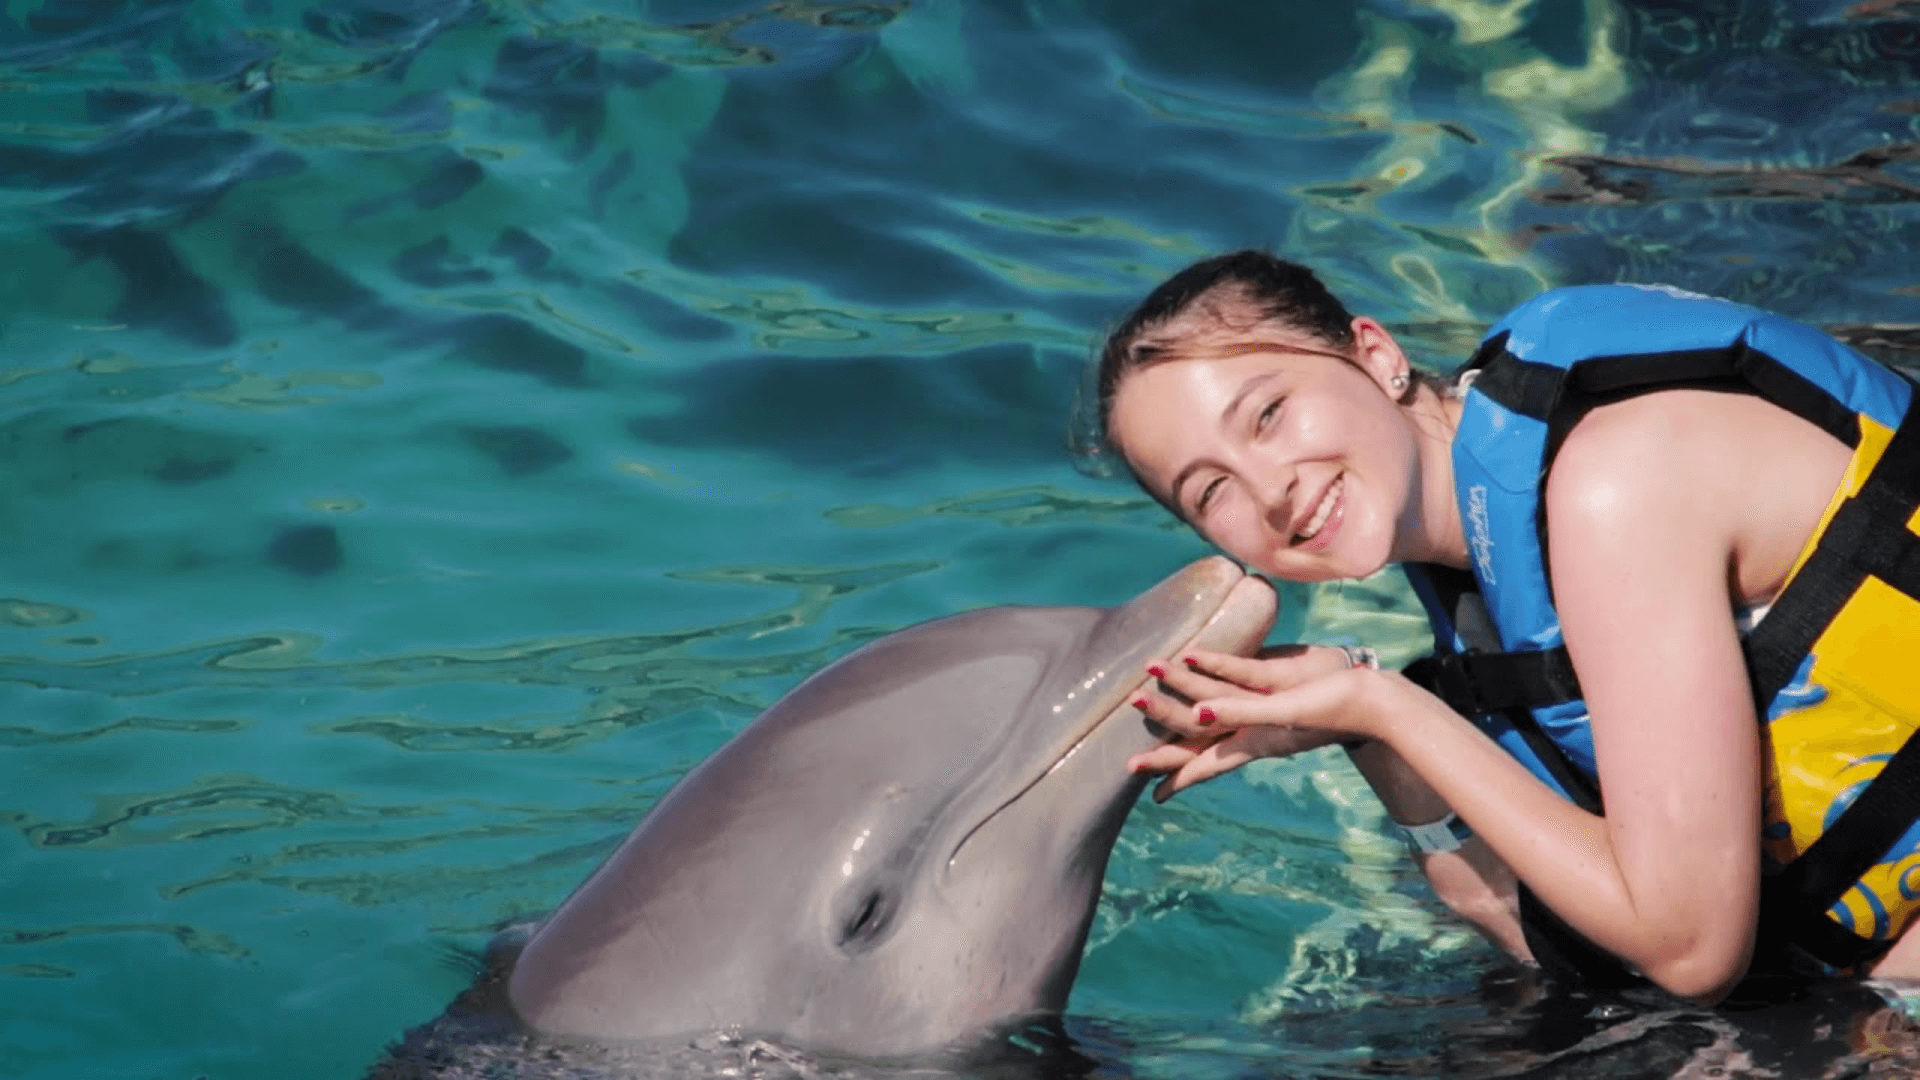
(902,852)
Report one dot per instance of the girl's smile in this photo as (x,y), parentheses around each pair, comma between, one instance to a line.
(1328,513)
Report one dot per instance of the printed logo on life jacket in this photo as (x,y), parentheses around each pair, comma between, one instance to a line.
(1478,528)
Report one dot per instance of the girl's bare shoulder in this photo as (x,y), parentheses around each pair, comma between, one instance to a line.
(1700,466)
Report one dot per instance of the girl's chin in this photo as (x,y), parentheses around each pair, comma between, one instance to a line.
(1295,571)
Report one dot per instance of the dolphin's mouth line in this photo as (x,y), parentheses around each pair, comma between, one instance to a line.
(1105,716)
(1113,703)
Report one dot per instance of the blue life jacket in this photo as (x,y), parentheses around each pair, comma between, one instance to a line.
(1844,894)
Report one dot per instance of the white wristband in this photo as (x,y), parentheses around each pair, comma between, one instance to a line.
(1446,834)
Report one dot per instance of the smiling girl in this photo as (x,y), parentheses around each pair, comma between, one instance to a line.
(1664,544)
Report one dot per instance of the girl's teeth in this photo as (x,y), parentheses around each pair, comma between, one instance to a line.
(1325,508)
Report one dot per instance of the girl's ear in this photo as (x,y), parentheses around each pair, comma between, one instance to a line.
(1380,356)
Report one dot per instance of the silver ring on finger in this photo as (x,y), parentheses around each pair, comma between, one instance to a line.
(1361,656)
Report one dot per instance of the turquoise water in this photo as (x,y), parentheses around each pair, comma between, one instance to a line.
(427,427)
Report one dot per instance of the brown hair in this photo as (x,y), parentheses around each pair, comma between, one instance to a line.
(1212,309)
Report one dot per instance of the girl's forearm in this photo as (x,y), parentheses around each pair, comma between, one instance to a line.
(1472,881)
(1562,852)
(1409,799)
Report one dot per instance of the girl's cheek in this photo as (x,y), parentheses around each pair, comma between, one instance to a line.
(1243,540)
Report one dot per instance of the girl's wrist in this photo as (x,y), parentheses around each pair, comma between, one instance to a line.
(1408,798)
(1372,712)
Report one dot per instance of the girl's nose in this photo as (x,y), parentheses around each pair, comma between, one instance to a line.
(1276,499)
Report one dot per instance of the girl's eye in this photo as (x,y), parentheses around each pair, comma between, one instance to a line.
(1267,414)
(1207,493)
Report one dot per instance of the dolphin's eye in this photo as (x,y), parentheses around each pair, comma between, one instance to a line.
(869,917)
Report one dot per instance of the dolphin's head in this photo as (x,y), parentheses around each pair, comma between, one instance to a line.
(903,851)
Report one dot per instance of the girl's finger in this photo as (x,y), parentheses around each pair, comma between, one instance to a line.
(1323,704)
(1270,673)
(1179,720)
(1191,683)
(1241,671)
(1222,757)
(1161,759)
(1171,715)
(1217,760)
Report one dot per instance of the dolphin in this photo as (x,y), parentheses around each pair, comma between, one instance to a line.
(902,853)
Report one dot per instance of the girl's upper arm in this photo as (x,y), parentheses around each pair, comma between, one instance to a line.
(1641,535)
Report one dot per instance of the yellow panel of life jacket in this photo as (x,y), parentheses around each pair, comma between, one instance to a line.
(1849,709)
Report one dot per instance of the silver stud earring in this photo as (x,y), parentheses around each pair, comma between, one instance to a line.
(1398,382)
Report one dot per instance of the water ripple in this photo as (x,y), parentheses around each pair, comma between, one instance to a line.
(11,735)
(790,319)
(211,807)
(1864,177)
(718,43)
(624,708)
(643,663)
(36,613)
(1020,507)
(388,871)
(37,971)
(191,938)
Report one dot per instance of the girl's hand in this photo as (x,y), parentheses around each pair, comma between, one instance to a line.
(1255,707)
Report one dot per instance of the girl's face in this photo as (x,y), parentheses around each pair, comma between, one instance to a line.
(1298,463)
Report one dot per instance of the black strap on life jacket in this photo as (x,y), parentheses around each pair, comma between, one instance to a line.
(1510,684)
(1867,537)
(1559,397)
(1475,683)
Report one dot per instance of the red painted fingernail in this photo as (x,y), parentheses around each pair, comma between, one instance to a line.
(1141,704)
(1156,671)
(1190,661)
(1205,716)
